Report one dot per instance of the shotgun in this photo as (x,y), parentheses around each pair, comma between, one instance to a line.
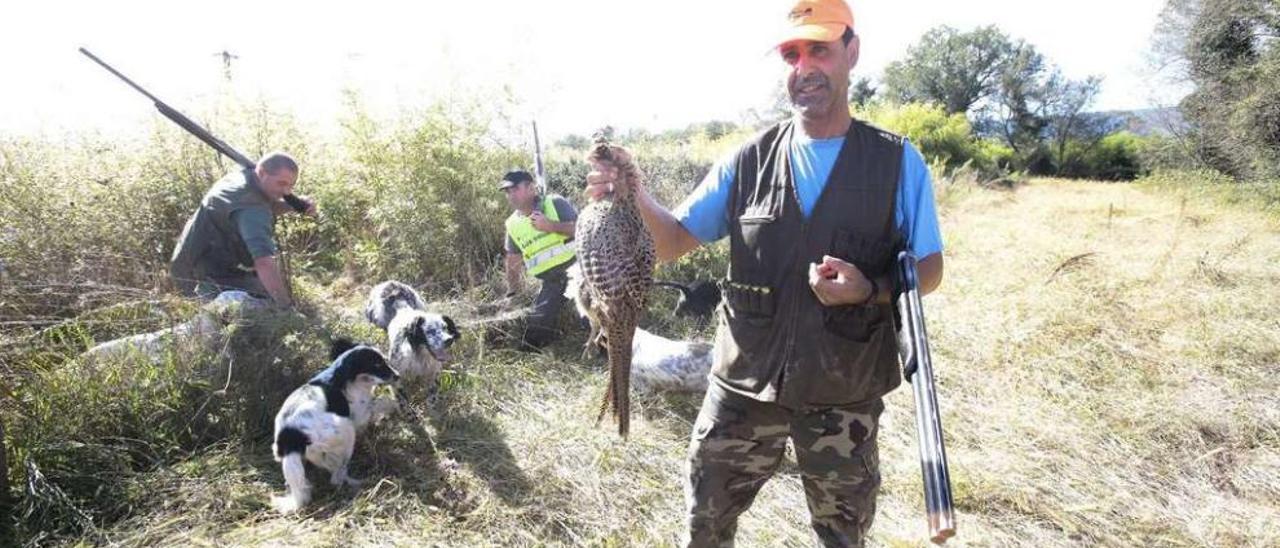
(917,367)
(195,129)
(538,173)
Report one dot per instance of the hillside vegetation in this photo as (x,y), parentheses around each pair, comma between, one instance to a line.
(1107,360)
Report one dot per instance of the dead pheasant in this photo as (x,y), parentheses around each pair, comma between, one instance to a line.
(616,254)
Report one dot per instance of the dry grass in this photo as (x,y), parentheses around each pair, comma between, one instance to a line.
(1107,361)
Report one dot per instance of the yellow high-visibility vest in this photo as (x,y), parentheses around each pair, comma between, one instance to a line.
(542,251)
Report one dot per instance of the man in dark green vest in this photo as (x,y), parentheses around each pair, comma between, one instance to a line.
(815,209)
(229,242)
(539,242)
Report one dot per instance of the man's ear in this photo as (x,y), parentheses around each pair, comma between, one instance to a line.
(853,50)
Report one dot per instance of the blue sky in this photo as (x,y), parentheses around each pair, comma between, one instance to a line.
(572,64)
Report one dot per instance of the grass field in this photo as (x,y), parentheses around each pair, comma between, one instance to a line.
(1108,361)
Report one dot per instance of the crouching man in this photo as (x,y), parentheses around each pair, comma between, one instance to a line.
(229,242)
(540,242)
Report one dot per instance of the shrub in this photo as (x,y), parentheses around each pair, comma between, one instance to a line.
(1116,157)
(144,414)
(939,136)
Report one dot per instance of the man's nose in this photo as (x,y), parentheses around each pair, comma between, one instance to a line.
(804,65)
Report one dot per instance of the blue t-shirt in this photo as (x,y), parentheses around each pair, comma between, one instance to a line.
(705,213)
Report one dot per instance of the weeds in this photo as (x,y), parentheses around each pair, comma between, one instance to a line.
(1129,400)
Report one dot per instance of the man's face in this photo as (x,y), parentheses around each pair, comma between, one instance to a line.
(818,75)
(277,185)
(521,196)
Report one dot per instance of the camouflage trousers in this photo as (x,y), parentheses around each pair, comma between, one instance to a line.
(738,444)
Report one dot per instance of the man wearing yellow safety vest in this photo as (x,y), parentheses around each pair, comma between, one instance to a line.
(539,241)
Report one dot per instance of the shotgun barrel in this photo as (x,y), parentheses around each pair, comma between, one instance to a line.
(195,129)
(913,348)
(538,171)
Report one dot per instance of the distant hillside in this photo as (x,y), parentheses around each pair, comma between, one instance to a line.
(1150,121)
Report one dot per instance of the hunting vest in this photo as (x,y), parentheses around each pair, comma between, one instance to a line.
(542,251)
(210,246)
(775,341)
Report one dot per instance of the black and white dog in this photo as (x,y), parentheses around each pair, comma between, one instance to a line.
(418,341)
(388,298)
(698,299)
(319,420)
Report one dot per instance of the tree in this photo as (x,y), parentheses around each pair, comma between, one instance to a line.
(861,92)
(954,69)
(1038,112)
(1228,50)
(777,108)
(1068,121)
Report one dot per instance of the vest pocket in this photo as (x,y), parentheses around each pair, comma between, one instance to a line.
(747,344)
(857,355)
(855,323)
(756,225)
(751,303)
(871,256)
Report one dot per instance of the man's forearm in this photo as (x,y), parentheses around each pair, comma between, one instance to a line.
(268,270)
(564,228)
(930,271)
(671,239)
(513,268)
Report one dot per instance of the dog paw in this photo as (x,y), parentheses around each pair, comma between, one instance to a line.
(286,504)
(341,479)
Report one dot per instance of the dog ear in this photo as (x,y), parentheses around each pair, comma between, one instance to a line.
(451,327)
(371,362)
(340,345)
(417,335)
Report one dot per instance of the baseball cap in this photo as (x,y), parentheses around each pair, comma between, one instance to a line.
(513,178)
(815,20)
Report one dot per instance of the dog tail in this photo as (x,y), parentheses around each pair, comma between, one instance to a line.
(684,289)
(290,440)
(291,445)
(340,345)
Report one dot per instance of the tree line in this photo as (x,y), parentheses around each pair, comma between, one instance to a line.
(992,102)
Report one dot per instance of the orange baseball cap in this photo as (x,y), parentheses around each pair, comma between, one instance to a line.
(816,20)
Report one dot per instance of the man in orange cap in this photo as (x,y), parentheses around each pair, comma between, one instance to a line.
(815,209)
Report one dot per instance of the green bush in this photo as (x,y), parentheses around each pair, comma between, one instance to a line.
(409,192)
(1116,157)
(939,136)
